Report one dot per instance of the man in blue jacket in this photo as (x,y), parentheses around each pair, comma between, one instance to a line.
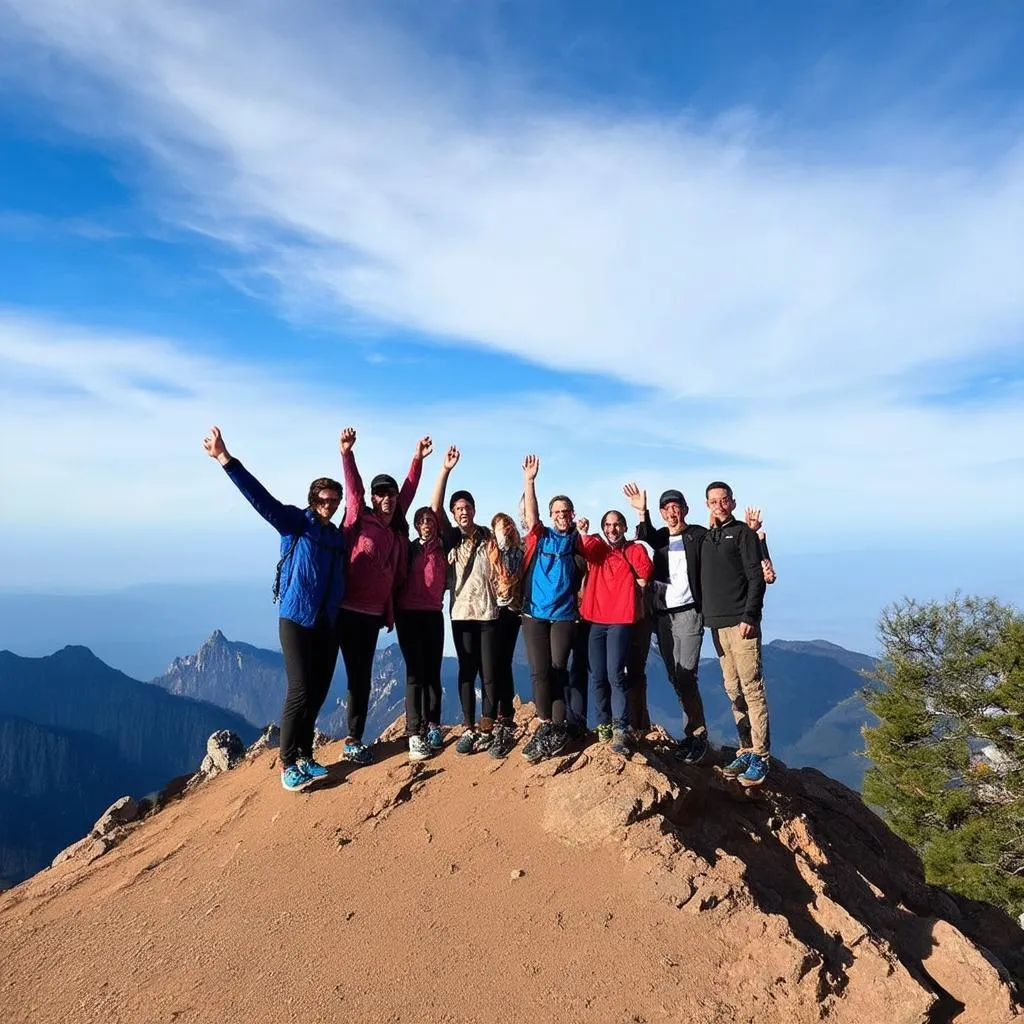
(310,584)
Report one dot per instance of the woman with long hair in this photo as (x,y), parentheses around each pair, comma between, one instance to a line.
(618,570)
(419,623)
(310,585)
(377,536)
(505,553)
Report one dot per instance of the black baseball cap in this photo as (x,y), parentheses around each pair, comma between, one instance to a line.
(460,496)
(383,481)
(670,496)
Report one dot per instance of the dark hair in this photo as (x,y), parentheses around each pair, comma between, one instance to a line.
(717,485)
(561,497)
(460,496)
(422,513)
(613,512)
(322,483)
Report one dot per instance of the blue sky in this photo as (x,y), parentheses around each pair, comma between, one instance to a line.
(780,244)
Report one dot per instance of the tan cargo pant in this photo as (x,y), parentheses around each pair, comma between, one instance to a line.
(744,683)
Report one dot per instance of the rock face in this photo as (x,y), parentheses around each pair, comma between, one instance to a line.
(624,891)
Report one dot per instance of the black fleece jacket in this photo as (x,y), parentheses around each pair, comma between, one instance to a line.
(693,537)
(731,578)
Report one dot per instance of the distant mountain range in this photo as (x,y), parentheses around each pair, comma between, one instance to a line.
(75,735)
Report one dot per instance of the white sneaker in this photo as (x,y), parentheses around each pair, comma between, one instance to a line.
(419,749)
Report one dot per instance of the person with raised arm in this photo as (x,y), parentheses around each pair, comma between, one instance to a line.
(473,610)
(310,585)
(676,607)
(506,553)
(550,585)
(618,571)
(733,585)
(377,536)
(419,623)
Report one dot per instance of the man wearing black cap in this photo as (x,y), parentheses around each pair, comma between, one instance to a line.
(676,596)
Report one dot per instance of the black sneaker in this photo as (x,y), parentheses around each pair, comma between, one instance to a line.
(681,751)
(556,741)
(536,749)
(698,749)
(504,740)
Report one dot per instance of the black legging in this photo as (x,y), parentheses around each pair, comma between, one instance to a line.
(504,681)
(357,637)
(421,638)
(476,648)
(310,654)
(547,647)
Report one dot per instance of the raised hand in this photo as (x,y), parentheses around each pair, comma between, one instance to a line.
(583,525)
(214,445)
(531,466)
(424,446)
(347,440)
(636,497)
(451,458)
(753,518)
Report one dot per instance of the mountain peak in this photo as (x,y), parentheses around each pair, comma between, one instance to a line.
(217,639)
(670,893)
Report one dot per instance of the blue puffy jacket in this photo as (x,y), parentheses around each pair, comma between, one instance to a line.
(313,573)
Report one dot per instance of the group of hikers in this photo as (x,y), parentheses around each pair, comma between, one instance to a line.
(587,605)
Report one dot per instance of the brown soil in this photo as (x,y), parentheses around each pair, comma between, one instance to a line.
(465,890)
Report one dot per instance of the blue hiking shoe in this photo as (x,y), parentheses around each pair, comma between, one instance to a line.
(757,770)
(435,739)
(357,752)
(697,749)
(294,779)
(312,768)
(734,769)
(467,742)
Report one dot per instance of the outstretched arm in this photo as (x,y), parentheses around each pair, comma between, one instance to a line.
(451,460)
(531,515)
(355,493)
(637,498)
(424,446)
(753,519)
(286,519)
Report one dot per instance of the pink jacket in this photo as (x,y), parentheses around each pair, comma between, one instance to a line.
(376,553)
(422,587)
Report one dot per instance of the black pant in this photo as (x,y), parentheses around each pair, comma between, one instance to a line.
(357,637)
(636,673)
(421,638)
(310,654)
(504,680)
(547,648)
(476,647)
(579,678)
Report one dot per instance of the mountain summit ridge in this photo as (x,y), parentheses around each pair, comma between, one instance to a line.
(586,888)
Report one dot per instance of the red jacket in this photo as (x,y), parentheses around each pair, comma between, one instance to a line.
(421,588)
(611,595)
(376,553)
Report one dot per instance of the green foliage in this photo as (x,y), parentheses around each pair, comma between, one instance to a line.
(948,752)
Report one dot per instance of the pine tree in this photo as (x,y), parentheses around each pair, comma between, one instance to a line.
(948,752)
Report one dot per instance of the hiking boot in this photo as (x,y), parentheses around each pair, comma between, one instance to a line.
(757,770)
(419,749)
(294,779)
(535,749)
(556,740)
(698,749)
(504,740)
(736,768)
(604,733)
(467,742)
(484,741)
(357,752)
(312,768)
(681,751)
(435,739)
(619,744)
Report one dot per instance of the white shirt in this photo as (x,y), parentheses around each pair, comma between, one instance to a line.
(678,590)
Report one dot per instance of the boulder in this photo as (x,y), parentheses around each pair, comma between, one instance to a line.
(120,812)
(224,749)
